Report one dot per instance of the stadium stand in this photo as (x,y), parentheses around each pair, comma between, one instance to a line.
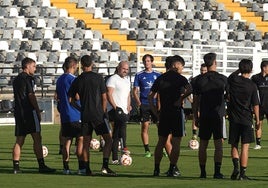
(112,30)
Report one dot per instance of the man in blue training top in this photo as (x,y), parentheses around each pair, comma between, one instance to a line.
(142,85)
(69,115)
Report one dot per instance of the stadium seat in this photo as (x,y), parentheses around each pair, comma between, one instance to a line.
(11,23)
(96,45)
(189,16)
(4,12)
(54,13)
(154,15)
(20,56)
(66,45)
(61,23)
(146,4)
(188,25)
(25,12)
(86,45)
(102,67)
(35,46)
(50,68)
(206,15)
(97,35)
(143,24)
(155,4)
(163,14)
(135,13)
(34,13)
(125,13)
(124,25)
(58,34)
(88,34)
(14,45)
(118,4)
(132,35)
(6,3)
(160,35)
(249,36)
(25,46)
(7,34)
(117,14)
(145,14)
(115,46)
(168,44)
(78,34)
(98,13)
(52,57)
(123,56)
(161,24)
(106,46)
(223,36)
(56,45)
(187,35)
(115,24)
(169,34)
(42,57)
(10,57)
(240,36)
(21,23)
(159,45)
(44,12)
(76,45)
(141,35)
(51,23)
(68,34)
(80,24)
(46,45)
(215,25)
(84,4)
(114,57)
(206,25)
(38,34)
(17,34)
(32,55)
(257,36)
(150,35)
(32,22)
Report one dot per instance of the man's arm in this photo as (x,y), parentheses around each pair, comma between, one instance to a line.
(153,107)
(136,95)
(110,98)
(195,108)
(33,101)
(257,118)
(104,101)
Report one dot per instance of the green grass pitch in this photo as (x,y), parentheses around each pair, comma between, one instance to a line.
(139,174)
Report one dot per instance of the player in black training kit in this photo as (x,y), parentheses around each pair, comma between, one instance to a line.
(209,109)
(242,98)
(261,80)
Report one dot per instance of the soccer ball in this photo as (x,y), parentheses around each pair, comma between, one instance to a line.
(94,144)
(45,151)
(126,160)
(193,144)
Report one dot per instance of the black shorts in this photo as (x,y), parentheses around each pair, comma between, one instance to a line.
(71,130)
(100,128)
(147,114)
(237,131)
(263,112)
(172,123)
(212,126)
(27,124)
(118,115)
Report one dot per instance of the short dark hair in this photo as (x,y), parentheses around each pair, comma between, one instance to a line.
(203,65)
(245,66)
(264,63)
(25,62)
(147,55)
(168,62)
(68,63)
(177,58)
(209,58)
(86,61)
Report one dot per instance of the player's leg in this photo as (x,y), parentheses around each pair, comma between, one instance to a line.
(202,156)
(235,160)
(66,154)
(158,153)
(174,156)
(38,150)
(16,153)
(258,133)
(115,142)
(243,161)
(218,154)
(145,137)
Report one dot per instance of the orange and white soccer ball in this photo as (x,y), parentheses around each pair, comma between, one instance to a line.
(94,144)
(126,160)
(45,151)
(193,144)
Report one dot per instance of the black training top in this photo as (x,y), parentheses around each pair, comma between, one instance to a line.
(262,84)
(90,86)
(23,85)
(211,87)
(243,95)
(170,85)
